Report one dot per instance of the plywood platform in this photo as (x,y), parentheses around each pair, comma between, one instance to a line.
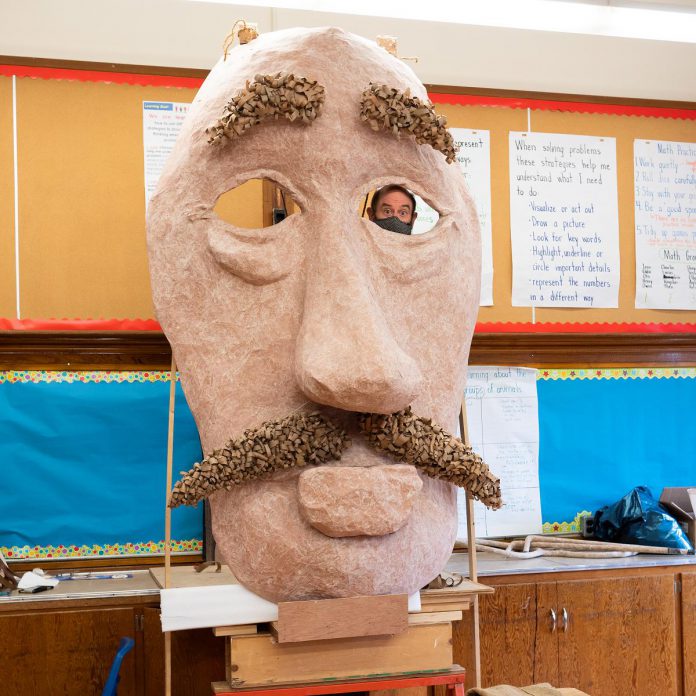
(259,660)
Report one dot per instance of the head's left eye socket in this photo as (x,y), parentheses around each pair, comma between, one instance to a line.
(397,209)
(255,204)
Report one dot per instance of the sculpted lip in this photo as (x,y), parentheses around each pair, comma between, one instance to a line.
(301,440)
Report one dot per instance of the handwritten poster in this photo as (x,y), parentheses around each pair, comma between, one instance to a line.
(474,159)
(161,125)
(564,220)
(665,213)
(503,422)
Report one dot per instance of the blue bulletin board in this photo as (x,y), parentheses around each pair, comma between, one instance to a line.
(604,431)
(84,465)
(83,454)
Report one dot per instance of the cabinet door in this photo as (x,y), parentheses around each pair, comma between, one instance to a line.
(620,637)
(198,658)
(518,645)
(689,630)
(65,652)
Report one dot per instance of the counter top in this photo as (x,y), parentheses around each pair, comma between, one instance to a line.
(141,584)
(494,564)
(127,583)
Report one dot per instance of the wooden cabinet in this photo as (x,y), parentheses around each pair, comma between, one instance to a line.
(198,658)
(608,633)
(620,635)
(605,635)
(69,652)
(65,652)
(688,624)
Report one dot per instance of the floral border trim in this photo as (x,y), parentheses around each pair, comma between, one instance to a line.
(131,376)
(145,548)
(574,527)
(618,373)
(103,376)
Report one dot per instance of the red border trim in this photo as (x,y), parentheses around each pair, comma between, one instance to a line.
(435,97)
(594,328)
(548,105)
(96,76)
(8,324)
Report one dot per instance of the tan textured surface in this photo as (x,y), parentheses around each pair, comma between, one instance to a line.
(82,199)
(344,501)
(7,252)
(325,309)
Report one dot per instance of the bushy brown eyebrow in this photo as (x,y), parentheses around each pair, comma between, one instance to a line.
(269,97)
(387,108)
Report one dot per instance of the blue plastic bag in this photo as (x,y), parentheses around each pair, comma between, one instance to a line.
(639,519)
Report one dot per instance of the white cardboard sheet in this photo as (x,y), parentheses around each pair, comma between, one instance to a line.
(222,605)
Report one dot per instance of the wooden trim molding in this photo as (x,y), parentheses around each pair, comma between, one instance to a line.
(149,350)
(57,64)
(584,350)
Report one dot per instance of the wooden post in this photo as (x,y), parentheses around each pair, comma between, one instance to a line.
(168,524)
(471,546)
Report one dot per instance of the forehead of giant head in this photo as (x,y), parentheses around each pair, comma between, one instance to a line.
(343,63)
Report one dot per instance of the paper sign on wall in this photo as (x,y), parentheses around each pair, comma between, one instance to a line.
(564,220)
(665,213)
(474,159)
(162,123)
(503,422)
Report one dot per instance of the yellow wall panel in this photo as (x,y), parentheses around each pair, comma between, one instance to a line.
(499,121)
(7,250)
(81,198)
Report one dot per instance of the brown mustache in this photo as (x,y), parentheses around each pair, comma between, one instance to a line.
(309,439)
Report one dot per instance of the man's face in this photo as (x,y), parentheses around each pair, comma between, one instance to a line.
(393,204)
(323,312)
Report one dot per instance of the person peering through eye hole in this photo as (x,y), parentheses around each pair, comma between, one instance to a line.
(393,209)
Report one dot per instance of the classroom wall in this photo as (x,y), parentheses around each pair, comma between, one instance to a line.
(184,33)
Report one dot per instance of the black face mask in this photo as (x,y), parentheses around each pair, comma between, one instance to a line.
(393,224)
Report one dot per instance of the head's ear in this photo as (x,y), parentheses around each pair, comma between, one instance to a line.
(370,214)
(413,217)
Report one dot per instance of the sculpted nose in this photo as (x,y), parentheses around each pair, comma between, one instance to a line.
(346,354)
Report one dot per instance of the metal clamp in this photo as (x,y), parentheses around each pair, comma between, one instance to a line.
(553,620)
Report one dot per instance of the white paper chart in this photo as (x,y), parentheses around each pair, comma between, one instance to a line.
(665,213)
(161,126)
(474,159)
(503,421)
(564,220)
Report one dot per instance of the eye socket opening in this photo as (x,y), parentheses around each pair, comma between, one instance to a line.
(393,210)
(256,204)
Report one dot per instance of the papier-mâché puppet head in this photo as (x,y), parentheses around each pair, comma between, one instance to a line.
(325,313)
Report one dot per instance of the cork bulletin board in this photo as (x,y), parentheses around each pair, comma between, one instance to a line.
(625,128)
(80,224)
(80,183)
